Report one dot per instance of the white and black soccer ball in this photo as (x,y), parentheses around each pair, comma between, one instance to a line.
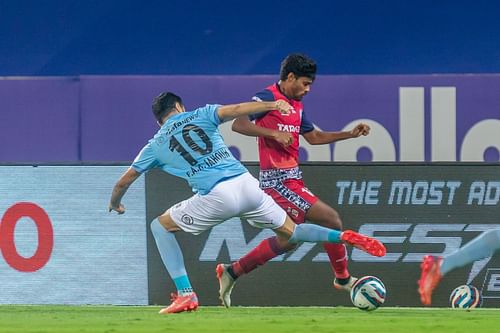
(465,297)
(368,293)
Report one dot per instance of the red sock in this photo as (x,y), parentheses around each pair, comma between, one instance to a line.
(262,253)
(338,259)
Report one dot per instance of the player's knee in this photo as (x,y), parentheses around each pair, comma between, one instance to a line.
(337,221)
(333,221)
(156,226)
(286,230)
(163,223)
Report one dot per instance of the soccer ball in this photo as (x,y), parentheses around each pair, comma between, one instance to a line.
(465,297)
(368,293)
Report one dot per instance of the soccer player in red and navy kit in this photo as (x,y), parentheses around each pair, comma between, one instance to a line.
(280,176)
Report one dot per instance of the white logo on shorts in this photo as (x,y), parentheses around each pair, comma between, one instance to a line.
(187,219)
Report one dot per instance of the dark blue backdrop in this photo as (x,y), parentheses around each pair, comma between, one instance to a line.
(59,37)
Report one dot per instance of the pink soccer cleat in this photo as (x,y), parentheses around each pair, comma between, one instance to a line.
(364,243)
(181,303)
(429,278)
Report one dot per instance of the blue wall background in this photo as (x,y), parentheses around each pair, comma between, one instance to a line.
(59,37)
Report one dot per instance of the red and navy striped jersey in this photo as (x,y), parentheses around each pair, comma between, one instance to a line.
(272,155)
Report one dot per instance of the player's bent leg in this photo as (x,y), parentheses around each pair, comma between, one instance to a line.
(266,250)
(429,278)
(287,230)
(267,214)
(168,223)
(322,214)
(337,253)
(185,299)
(227,274)
(315,233)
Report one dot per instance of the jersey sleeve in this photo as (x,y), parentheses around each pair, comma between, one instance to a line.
(145,160)
(263,96)
(305,125)
(209,112)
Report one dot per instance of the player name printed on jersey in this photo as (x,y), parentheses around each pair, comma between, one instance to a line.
(210,161)
(189,145)
(60,245)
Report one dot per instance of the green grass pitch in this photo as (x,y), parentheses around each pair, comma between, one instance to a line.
(54,319)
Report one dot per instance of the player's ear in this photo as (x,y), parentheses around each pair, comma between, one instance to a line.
(290,77)
(179,107)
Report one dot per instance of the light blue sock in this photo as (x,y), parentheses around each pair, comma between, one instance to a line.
(172,257)
(314,233)
(482,246)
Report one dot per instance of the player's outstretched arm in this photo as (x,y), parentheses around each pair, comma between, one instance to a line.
(120,189)
(231,111)
(244,126)
(318,137)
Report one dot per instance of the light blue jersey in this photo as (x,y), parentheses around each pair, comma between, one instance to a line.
(189,145)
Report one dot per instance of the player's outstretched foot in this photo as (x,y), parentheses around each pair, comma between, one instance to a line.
(364,243)
(347,285)
(429,278)
(226,284)
(181,303)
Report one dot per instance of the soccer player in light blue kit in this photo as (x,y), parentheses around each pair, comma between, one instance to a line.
(435,267)
(189,145)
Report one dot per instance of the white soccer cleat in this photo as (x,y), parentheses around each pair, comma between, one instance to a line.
(347,286)
(226,284)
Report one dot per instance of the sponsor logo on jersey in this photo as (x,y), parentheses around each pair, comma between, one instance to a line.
(288,128)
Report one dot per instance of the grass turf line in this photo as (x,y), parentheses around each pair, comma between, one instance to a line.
(112,319)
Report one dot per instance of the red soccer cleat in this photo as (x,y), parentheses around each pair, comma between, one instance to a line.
(181,303)
(364,243)
(429,278)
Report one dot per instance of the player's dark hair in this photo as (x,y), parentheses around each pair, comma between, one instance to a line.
(298,64)
(164,103)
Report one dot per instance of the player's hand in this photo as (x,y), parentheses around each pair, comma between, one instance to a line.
(359,130)
(283,107)
(120,209)
(283,138)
